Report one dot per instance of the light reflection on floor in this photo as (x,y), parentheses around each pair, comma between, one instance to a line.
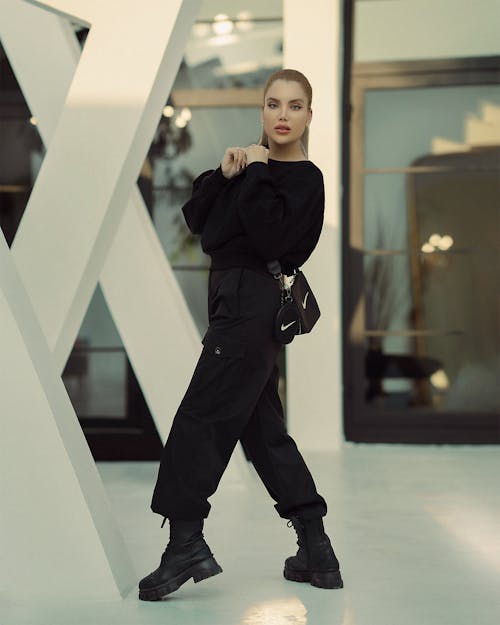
(278,611)
(474,527)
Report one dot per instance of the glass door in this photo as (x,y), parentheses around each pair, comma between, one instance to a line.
(421,260)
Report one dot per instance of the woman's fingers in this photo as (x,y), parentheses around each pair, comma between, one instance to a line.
(239,161)
(234,161)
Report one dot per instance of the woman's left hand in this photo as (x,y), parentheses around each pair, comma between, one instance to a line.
(256,152)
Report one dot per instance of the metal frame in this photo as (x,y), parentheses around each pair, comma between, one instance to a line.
(361,424)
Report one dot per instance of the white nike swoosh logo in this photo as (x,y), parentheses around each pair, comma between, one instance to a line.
(284,327)
(304,302)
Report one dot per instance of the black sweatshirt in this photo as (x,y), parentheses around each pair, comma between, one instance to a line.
(269,211)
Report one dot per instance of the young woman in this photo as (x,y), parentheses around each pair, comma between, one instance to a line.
(263,202)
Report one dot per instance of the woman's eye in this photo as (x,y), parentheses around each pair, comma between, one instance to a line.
(272,104)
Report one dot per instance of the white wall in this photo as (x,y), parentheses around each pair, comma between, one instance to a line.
(314,376)
(396,30)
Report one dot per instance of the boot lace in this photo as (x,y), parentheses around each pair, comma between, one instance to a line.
(297,526)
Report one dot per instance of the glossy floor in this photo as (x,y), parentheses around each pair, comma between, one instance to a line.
(416,530)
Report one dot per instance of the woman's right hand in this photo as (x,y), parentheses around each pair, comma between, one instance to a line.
(233,162)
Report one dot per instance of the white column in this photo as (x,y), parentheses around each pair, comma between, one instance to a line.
(312,45)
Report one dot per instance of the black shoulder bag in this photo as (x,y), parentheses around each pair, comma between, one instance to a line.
(299,309)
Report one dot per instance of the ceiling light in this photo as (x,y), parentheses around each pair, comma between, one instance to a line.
(446,242)
(222,24)
(439,380)
(186,113)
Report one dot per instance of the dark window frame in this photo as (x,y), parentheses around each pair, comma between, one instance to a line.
(377,425)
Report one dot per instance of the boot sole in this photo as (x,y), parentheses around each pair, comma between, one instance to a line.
(320,579)
(200,571)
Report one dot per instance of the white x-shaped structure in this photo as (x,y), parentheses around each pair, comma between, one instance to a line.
(97,111)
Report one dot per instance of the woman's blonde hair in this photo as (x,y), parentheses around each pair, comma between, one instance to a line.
(289,74)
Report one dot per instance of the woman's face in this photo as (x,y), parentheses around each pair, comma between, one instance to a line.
(285,102)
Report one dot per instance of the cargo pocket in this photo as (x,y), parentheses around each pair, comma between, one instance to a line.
(215,389)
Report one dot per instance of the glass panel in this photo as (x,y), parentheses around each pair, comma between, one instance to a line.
(177,156)
(228,63)
(388,292)
(403,124)
(435,291)
(450,221)
(97,382)
(238,50)
(459,210)
(96,374)
(21,151)
(441,373)
(385,212)
(403,211)
(447,292)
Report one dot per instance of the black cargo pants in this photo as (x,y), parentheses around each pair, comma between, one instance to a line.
(233,395)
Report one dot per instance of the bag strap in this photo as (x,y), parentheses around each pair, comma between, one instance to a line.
(274,268)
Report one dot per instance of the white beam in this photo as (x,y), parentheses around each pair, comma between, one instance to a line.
(139,285)
(59,537)
(95,154)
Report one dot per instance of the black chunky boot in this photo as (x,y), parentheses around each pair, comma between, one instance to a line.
(315,561)
(187,555)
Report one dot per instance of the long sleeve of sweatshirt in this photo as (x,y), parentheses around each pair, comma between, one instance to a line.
(205,189)
(277,218)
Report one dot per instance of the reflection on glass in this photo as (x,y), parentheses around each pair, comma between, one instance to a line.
(21,156)
(236,50)
(97,373)
(403,124)
(178,154)
(442,372)
(385,212)
(388,292)
(431,339)
(431,281)
(96,381)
